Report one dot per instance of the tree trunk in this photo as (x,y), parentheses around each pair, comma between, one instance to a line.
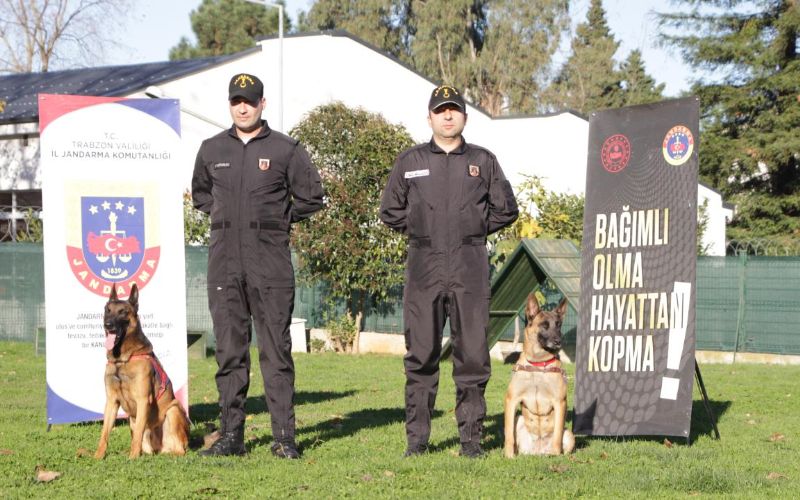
(357,337)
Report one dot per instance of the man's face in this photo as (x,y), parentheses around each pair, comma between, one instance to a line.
(447,121)
(246,114)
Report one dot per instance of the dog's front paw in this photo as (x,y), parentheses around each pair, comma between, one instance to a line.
(508,452)
(100,454)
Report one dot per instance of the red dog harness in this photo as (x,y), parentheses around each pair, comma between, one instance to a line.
(162,374)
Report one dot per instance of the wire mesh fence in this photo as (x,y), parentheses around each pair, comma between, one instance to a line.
(745,302)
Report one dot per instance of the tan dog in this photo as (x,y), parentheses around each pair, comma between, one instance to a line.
(135,379)
(540,385)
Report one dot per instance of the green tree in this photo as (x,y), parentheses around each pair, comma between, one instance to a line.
(226,27)
(588,81)
(383,23)
(749,112)
(196,224)
(498,51)
(519,42)
(591,79)
(637,86)
(542,214)
(345,245)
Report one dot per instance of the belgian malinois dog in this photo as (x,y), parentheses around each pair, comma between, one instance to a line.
(136,380)
(539,384)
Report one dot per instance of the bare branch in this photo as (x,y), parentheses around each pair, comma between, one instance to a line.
(35,34)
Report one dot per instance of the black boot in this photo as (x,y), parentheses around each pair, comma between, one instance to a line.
(285,449)
(416,449)
(230,443)
(471,449)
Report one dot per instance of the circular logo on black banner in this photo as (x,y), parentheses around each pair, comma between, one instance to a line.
(678,145)
(615,153)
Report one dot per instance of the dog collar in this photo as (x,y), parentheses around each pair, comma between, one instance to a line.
(542,364)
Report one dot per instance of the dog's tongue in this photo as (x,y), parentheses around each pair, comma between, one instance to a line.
(110,341)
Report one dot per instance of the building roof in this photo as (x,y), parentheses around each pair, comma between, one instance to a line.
(19,91)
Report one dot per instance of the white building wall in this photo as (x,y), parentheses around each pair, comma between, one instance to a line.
(323,68)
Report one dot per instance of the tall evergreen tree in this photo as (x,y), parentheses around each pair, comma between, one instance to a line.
(227,26)
(637,86)
(751,111)
(383,23)
(498,51)
(588,80)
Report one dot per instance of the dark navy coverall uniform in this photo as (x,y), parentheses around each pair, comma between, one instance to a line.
(447,203)
(253,193)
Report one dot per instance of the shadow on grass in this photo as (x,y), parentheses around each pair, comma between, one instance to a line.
(701,425)
(348,424)
(204,412)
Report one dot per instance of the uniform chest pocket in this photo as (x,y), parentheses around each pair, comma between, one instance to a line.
(221,173)
(474,192)
(267,181)
(420,211)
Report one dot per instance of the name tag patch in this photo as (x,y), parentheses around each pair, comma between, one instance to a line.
(417,173)
(222,165)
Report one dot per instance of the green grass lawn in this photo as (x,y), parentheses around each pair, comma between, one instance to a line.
(350,429)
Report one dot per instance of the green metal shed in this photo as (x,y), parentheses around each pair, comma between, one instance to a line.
(551,267)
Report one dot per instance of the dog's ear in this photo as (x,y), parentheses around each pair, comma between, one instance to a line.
(134,298)
(113,295)
(561,310)
(532,308)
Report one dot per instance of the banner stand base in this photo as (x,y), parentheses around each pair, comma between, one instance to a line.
(706,403)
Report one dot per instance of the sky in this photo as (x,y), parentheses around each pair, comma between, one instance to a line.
(155,26)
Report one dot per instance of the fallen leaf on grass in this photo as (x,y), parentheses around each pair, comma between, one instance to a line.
(603,455)
(777,436)
(667,443)
(45,476)
(366,478)
(83,452)
(751,422)
(388,473)
(560,468)
(210,439)
(336,422)
(775,475)
(6,452)
(207,491)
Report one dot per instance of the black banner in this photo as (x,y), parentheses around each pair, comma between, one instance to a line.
(636,331)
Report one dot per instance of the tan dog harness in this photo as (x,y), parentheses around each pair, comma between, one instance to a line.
(162,374)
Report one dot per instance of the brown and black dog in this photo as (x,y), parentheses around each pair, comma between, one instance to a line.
(539,384)
(135,379)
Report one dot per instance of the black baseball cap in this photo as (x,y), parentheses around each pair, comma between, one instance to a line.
(446,94)
(247,86)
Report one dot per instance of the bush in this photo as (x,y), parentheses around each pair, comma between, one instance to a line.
(342,331)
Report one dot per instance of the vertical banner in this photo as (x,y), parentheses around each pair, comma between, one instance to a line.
(636,330)
(112,200)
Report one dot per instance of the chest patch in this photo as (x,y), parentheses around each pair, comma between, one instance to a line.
(474,170)
(222,165)
(417,173)
(263,164)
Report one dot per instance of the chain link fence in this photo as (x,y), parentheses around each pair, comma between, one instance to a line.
(745,302)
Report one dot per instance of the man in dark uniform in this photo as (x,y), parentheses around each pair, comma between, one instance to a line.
(254,182)
(447,196)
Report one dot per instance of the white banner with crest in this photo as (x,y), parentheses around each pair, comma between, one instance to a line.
(112,201)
